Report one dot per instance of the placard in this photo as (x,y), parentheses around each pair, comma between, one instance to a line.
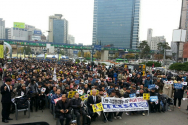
(43,89)
(151,86)
(97,107)
(146,96)
(96,93)
(132,95)
(71,94)
(184,83)
(153,98)
(84,97)
(55,100)
(178,86)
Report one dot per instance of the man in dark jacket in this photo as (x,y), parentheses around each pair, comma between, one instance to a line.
(153,105)
(63,109)
(6,90)
(93,99)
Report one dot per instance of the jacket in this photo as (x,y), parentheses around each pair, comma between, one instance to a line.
(109,90)
(160,85)
(59,106)
(55,96)
(178,93)
(138,81)
(6,94)
(91,101)
(147,82)
(76,104)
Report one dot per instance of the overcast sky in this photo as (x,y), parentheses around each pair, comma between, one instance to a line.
(160,15)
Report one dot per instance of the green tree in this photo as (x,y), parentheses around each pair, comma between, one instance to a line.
(150,63)
(61,52)
(116,55)
(79,54)
(163,46)
(145,49)
(97,55)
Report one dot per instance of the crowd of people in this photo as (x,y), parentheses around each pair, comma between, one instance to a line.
(37,80)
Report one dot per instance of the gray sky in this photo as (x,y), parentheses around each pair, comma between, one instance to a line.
(160,15)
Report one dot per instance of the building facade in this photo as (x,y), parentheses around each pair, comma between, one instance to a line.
(2,29)
(19,34)
(58,29)
(7,33)
(155,41)
(116,22)
(174,50)
(71,39)
(149,36)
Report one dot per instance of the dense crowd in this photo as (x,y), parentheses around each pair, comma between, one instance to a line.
(37,81)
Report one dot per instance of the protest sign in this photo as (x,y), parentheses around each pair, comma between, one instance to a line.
(111,104)
(96,93)
(55,100)
(43,89)
(178,86)
(84,97)
(184,83)
(146,96)
(97,107)
(130,75)
(137,91)
(151,86)
(13,76)
(132,95)
(71,94)
(153,98)
(80,92)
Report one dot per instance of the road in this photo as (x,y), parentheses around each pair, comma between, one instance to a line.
(178,116)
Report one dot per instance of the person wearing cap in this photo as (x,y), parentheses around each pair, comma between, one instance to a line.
(23,91)
(133,89)
(67,89)
(148,81)
(160,85)
(153,105)
(6,90)
(111,88)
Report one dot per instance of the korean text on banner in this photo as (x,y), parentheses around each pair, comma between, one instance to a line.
(97,107)
(124,104)
(1,49)
(146,96)
(55,100)
(71,94)
(178,86)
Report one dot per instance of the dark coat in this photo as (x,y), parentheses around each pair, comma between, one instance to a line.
(6,94)
(178,93)
(90,101)
(76,104)
(59,106)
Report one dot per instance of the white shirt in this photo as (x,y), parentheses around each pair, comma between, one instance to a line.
(94,99)
(8,87)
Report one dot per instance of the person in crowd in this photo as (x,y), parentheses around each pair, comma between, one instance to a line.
(178,94)
(56,95)
(93,99)
(63,109)
(159,87)
(138,80)
(154,105)
(6,90)
(52,92)
(148,81)
(167,89)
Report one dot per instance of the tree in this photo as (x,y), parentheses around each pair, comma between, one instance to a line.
(158,56)
(79,54)
(150,63)
(130,56)
(61,52)
(116,55)
(163,46)
(87,54)
(20,49)
(97,55)
(145,49)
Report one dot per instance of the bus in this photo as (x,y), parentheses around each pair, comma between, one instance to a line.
(121,60)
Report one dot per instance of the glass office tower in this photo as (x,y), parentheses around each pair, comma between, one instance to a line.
(116,22)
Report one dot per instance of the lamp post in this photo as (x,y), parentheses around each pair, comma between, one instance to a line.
(58,50)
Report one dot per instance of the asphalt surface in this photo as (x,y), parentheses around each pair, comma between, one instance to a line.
(176,117)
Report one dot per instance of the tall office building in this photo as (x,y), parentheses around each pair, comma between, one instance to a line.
(149,36)
(58,29)
(116,22)
(7,33)
(2,29)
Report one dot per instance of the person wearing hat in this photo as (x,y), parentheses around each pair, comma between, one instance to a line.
(160,85)
(6,90)
(153,105)
(66,91)
(148,81)
(23,91)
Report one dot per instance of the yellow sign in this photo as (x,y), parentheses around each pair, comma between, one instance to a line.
(97,107)
(13,77)
(144,66)
(84,97)
(96,93)
(144,73)
(125,66)
(1,49)
(146,96)
(45,55)
(71,94)
(19,25)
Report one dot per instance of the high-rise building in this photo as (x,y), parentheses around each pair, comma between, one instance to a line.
(155,41)
(19,34)
(116,22)
(149,36)
(71,39)
(7,33)
(2,28)
(58,29)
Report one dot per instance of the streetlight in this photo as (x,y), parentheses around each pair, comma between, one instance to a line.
(92,50)
(58,50)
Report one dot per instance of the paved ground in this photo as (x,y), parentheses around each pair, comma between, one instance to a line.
(169,118)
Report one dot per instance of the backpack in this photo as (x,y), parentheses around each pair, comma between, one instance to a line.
(22,102)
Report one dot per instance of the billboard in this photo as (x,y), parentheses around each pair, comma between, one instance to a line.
(178,35)
(1,49)
(19,25)
(36,38)
(37,32)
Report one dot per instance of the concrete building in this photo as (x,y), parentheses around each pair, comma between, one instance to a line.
(19,34)
(155,41)
(2,28)
(7,33)
(71,39)
(58,29)
(149,36)
(116,22)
